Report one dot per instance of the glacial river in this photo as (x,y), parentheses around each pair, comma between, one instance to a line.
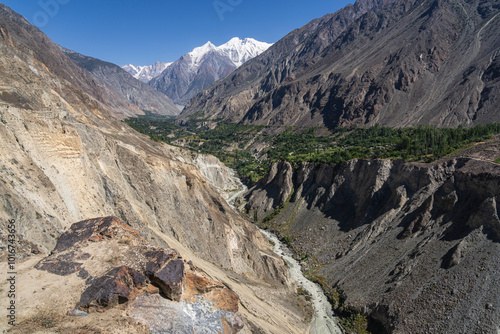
(324,321)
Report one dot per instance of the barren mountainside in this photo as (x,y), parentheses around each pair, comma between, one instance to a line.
(124,85)
(397,63)
(64,158)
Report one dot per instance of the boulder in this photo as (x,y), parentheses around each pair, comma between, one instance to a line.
(170,279)
(118,286)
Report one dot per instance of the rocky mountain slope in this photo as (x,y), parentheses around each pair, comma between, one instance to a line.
(65,158)
(124,86)
(146,73)
(414,247)
(203,66)
(396,63)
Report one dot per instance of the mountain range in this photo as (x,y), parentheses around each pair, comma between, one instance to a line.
(203,66)
(399,247)
(396,63)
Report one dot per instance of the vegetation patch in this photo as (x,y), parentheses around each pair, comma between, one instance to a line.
(352,321)
(252,149)
(301,292)
(41,321)
(273,214)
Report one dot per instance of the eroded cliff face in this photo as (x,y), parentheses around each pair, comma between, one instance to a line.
(217,174)
(416,247)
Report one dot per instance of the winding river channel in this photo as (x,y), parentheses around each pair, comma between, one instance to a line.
(324,321)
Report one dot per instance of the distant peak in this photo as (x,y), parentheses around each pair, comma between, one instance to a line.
(235,40)
(207,46)
(202,49)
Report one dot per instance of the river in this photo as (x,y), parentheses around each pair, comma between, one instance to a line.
(324,321)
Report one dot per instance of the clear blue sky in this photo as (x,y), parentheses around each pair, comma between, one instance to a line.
(142,32)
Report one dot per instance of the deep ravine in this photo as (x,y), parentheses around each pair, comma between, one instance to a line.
(324,321)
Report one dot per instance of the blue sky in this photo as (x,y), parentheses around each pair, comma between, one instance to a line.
(142,32)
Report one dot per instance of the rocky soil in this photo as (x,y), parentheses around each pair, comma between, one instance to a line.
(104,265)
(413,246)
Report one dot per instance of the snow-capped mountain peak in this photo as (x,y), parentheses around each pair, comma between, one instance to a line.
(198,53)
(240,51)
(146,73)
(237,50)
(204,65)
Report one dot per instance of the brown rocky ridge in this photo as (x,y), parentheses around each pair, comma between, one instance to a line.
(117,269)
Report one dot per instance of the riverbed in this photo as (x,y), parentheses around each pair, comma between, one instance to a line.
(324,321)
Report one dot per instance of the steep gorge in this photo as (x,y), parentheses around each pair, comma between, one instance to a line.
(414,247)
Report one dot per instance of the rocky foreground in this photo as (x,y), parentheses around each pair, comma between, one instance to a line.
(102,264)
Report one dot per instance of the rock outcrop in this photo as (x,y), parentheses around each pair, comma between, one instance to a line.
(144,280)
(415,247)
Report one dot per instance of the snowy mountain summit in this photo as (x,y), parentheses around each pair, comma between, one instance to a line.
(204,65)
(146,73)
(238,51)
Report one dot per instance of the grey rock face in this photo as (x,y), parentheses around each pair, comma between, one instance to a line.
(164,316)
(416,247)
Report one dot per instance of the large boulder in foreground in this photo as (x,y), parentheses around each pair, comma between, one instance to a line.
(118,269)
